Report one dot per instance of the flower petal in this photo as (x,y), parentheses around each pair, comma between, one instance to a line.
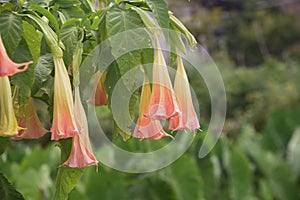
(188,119)
(163,103)
(8,121)
(7,66)
(28,119)
(81,154)
(145,127)
(99,96)
(64,124)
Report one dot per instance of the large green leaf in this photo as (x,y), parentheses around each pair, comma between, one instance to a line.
(121,28)
(11,31)
(160,11)
(43,84)
(7,191)
(184,178)
(24,80)
(66,181)
(33,40)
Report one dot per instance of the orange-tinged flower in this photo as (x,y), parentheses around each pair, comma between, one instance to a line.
(7,66)
(28,119)
(99,97)
(64,124)
(163,103)
(8,121)
(188,119)
(81,154)
(145,127)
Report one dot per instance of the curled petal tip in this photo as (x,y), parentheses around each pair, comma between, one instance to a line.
(7,66)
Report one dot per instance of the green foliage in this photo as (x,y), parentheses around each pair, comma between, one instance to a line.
(11,31)
(7,191)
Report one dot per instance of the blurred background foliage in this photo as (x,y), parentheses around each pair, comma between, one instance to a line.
(256,45)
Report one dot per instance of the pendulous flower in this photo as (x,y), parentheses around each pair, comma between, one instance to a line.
(81,154)
(7,66)
(188,118)
(145,127)
(8,121)
(64,123)
(99,97)
(163,103)
(28,119)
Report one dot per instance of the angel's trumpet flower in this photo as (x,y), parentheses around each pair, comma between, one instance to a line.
(188,118)
(28,119)
(8,121)
(64,123)
(99,97)
(81,154)
(163,103)
(145,127)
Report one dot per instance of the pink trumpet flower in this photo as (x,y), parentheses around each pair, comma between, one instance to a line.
(28,119)
(163,103)
(99,97)
(7,66)
(81,154)
(8,121)
(145,127)
(64,123)
(188,119)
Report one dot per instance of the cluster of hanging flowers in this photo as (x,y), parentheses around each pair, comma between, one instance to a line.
(161,102)
(8,121)
(164,102)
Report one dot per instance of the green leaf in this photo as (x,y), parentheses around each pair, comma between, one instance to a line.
(265,190)
(38,157)
(33,40)
(293,153)
(207,169)
(49,16)
(67,179)
(73,12)
(160,11)
(67,3)
(277,172)
(108,183)
(125,33)
(35,183)
(184,178)
(7,191)
(240,174)
(24,80)
(69,36)
(11,31)
(4,141)
(43,80)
